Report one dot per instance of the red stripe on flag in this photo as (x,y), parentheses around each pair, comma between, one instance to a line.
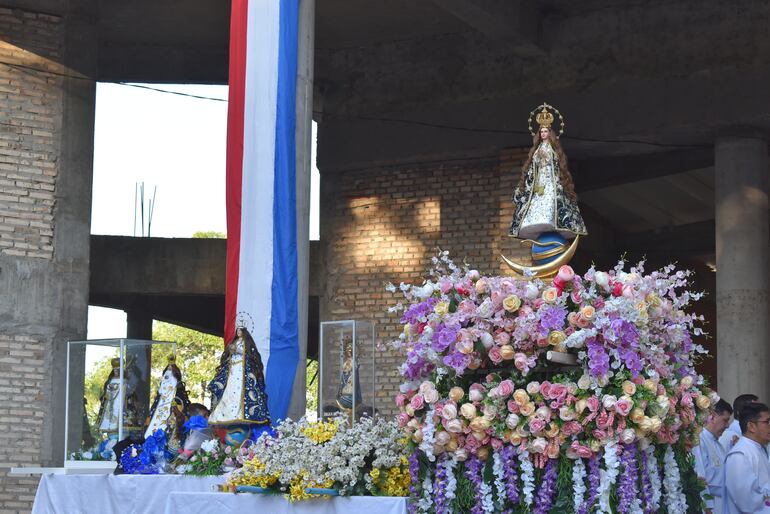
(234,177)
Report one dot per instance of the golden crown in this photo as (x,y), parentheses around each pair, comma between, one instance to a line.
(545,114)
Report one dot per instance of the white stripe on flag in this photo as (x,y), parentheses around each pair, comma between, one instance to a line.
(257,194)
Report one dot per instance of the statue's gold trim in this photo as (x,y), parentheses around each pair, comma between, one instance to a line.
(543,270)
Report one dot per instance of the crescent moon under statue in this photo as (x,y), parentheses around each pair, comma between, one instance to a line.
(543,270)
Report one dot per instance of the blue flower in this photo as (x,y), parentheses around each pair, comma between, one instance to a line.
(196,423)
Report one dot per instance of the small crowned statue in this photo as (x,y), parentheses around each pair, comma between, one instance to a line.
(238,388)
(108,419)
(349,386)
(169,406)
(545,197)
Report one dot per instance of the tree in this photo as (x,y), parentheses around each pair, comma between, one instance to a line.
(209,234)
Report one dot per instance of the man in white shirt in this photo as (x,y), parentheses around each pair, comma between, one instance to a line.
(747,469)
(733,432)
(710,456)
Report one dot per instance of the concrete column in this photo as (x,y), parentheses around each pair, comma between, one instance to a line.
(139,326)
(742,246)
(303,134)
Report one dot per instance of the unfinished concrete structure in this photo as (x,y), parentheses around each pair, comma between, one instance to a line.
(421,108)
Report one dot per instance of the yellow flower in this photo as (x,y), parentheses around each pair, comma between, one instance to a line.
(319,432)
(375,473)
(512,303)
(441,308)
(556,338)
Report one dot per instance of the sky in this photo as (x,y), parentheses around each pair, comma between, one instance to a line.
(170,142)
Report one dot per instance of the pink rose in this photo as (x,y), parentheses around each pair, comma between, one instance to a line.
(445,285)
(449,411)
(403,419)
(513,407)
(417,402)
(497,444)
(576,297)
(592,402)
(502,338)
(521,362)
(584,452)
(571,428)
(476,392)
(623,406)
(506,388)
(536,425)
(566,273)
(557,391)
(471,444)
(495,355)
(442,438)
(545,388)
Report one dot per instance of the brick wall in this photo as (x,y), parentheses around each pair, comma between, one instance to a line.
(385,225)
(30,119)
(31,105)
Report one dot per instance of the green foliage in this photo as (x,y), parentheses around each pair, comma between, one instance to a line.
(209,234)
(197,356)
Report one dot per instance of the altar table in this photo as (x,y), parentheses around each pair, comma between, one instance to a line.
(115,494)
(225,503)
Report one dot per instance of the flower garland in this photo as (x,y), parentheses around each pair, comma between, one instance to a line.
(511,478)
(594,479)
(527,478)
(627,490)
(498,469)
(608,476)
(440,486)
(646,490)
(653,472)
(547,489)
(578,483)
(473,468)
(414,479)
(676,502)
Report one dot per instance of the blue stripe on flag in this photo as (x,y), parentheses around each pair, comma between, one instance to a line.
(284,329)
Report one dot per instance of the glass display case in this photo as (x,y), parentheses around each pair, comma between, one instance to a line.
(347,369)
(110,383)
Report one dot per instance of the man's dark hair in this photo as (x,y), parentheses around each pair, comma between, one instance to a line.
(742,400)
(750,412)
(722,406)
(198,409)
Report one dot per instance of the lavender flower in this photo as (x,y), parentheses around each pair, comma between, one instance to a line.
(511,477)
(547,489)
(598,360)
(414,473)
(439,488)
(627,485)
(594,472)
(444,336)
(419,310)
(552,318)
(473,468)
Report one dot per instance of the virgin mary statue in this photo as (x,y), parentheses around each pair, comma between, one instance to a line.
(545,197)
(238,388)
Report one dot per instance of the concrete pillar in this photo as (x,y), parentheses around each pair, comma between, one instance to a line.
(303,134)
(139,326)
(742,247)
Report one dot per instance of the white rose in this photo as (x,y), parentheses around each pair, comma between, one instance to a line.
(584,382)
(426,386)
(487,340)
(424,291)
(628,436)
(512,421)
(609,401)
(602,279)
(531,291)
(431,396)
(538,445)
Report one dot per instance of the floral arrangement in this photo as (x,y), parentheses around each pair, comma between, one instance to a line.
(149,458)
(368,458)
(489,417)
(101,452)
(211,458)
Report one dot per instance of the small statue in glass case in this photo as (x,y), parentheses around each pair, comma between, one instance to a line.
(349,386)
(108,419)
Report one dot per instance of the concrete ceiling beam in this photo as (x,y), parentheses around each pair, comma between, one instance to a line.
(515,21)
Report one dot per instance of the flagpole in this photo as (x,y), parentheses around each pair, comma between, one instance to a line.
(304,113)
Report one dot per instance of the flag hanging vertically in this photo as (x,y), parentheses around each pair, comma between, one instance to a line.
(261,194)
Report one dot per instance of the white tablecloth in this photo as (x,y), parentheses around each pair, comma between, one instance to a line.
(113,494)
(224,503)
